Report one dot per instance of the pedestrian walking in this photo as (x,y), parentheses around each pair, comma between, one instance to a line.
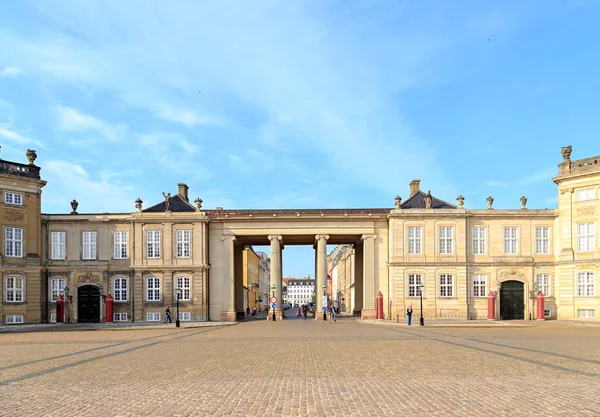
(247,311)
(409,314)
(304,311)
(168,315)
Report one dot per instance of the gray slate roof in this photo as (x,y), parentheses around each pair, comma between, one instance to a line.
(178,204)
(417,201)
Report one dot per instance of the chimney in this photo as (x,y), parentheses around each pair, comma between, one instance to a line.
(183,191)
(414,187)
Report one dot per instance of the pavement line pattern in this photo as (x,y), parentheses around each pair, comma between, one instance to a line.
(108,355)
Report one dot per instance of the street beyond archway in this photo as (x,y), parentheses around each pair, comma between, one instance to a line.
(304,368)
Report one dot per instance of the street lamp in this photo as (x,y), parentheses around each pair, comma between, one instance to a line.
(178,290)
(324,302)
(421,321)
(273,308)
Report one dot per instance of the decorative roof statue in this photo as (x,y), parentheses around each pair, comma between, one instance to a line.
(74,205)
(461,201)
(428,200)
(198,202)
(31,156)
(138,204)
(398,202)
(168,201)
(566,152)
(490,201)
(523,203)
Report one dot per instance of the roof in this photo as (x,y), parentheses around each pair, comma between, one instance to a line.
(178,204)
(417,201)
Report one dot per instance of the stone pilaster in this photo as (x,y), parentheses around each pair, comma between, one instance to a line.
(228,313)
(276,276)
(321,278)
(368,311)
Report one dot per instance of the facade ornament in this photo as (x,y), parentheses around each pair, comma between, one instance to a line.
(138,204)
(74,205)
(168,201)
(198,202)
(88,277)
(489,201)
(523,203)
(461,201)
(31,156)
(586,210)
(566,152)
(398,202)
(428,200)
(13,216)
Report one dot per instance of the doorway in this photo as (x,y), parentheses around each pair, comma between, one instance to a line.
(512,301)
(88,304)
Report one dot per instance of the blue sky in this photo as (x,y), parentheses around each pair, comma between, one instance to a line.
(281,104)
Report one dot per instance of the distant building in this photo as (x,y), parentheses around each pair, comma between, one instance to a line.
(299,290)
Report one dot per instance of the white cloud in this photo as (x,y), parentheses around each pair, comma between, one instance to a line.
(71,120)
(10,72)
(14,136)
(186,117)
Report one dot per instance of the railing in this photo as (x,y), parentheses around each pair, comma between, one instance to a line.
(22,170)
(587,164)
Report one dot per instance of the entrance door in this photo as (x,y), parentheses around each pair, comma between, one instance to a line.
(88,304)
(512,301)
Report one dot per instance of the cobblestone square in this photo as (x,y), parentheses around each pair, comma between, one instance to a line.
(304,368)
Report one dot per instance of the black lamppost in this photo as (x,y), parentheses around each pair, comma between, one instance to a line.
(325,302)
(421,321)
(272,304)
(178,290)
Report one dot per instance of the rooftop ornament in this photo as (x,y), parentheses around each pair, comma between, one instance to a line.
(428,200)
(523,203)
(168,201)
(566,152)
(74,205)
(398,202)
(198,202)
(461,201)
(490,201)
(31,156)
(138,204)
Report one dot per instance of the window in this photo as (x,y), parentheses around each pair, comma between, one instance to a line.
(13,242)
(586,237)
(479,285)
(543,284)
(585,284)
(14,319)
(511,240)
(58,250)
(547,313)
(446,285)
(183,243)
(479,235)
(586,314)
(414,282)
(152,316)
(57,286)
(120,244)
(13,198)
(153,243)
(14,290)
(587,194)
(185,316)
(153,289)
(184,284)
(53,318)
(120,289)
(120,316)
(89,245)
(542,240)
(414,239)
(446,244)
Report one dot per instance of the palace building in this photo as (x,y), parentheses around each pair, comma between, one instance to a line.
(452,257)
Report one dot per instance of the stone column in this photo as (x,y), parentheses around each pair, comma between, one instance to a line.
(369,277)
(228,313)
(276,276)
(359,280)
(321,278)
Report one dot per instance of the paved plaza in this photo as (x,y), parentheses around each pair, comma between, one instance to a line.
(304,368)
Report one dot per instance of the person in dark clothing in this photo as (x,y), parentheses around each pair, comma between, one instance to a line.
(304,311)
(247,311)
(168,315)
(409,315)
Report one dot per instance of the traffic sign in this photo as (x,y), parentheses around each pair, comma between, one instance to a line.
(273,300)
(274,305)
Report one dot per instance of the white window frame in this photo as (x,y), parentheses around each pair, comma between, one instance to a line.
(14,319)
(415,237)
(119,317)
(183,240)
(586,194)
(586,313)
(479,240)
(586,237)
(89,245)
(586,284)
(56,288)
(543,284)
(185,316)
(58,246)
(542,240)
(446,285)
(14,289)
(15,199)
(53,318)
(414,290)
(120,244)
(153,292)
(152,316)
(152,244)
(511,240)
(446,240)
(13,241)
(479,285)
(120,289)
(185,283)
